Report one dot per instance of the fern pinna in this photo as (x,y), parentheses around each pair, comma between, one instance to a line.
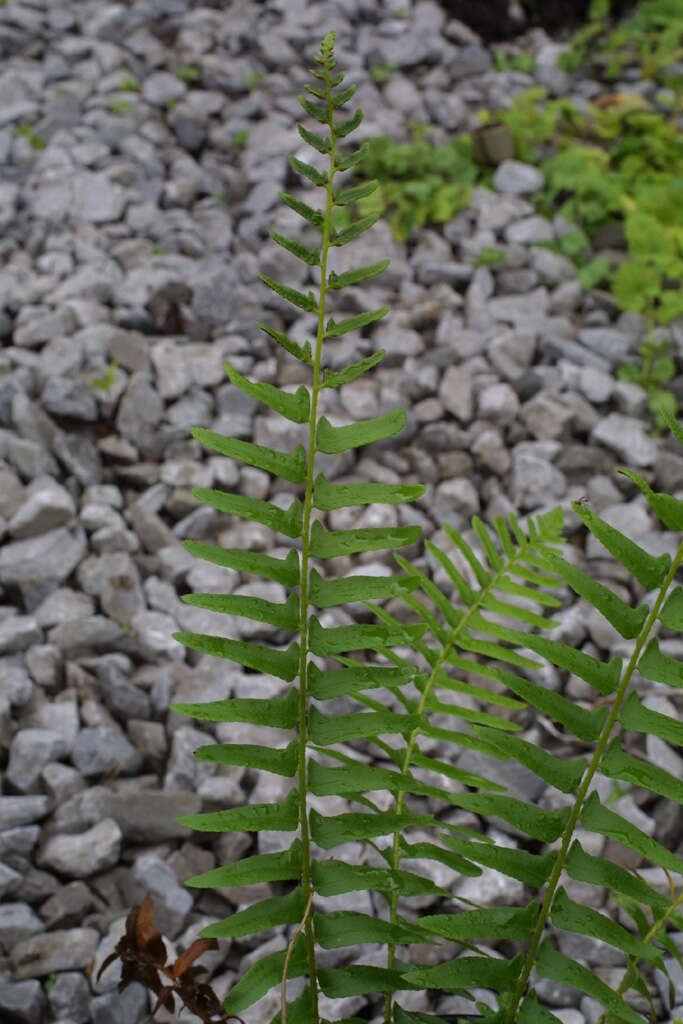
(445,671)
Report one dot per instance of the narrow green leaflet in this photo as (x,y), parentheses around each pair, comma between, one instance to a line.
(605,822)
(342,682)
(288,521)
(259,917)
(402,1016)
(667,508)
(266,972)
(355,276)
(314,217)
(537,823)
(453,772)
(348,234)
(335,378)
(602,676)
(296,407)
(283,664)
(333,543)
(289,466)
(583,867)
(626,620)
(349,828)
(617,764)
(531,1012)
(564,775)
(302,252)
(359,979)
(333,440)
(281,570)
(478,971)
(300,1011)
(278,817)
(530,868)
(660,668)
(370,637)
(276,712)
(326,730)
(316,141)
(671,614)
(495,923)
(354,323)
(315,111)
(583,723)
(262,867)
(647,569)
(515,611)
(306,302)
(467,595)
(342,197)
(635,716)
(300,352)
(354,158)
(574,917)
(332,878)
(317,177)
(267,759)
(554,965)
(344,128)
(342,928)
(430,851)
(282,616)
(330,593)
(329,496)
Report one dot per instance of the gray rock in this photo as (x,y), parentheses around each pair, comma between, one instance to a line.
(152,634)
(18,632)
(70,997)
(68,906)
(529,230)
(517,178)
(15,682)
(497,403)
(546,416)
(113,578)
(100,749)
(63,605)
(552,268)
(22,810)
(30,458)
(22,1002)
(628,438)
(80,457)
(557,347)
(83,855)
(47,506)
(39,565)
(455,392)
(17,922)
(30,751)
(140,409)
(455,501)
(172,903)
(10,881)
(608,342)
(128,1007)
(524,311)
(535,481)
(12,492)
(69,950)
(85,636)
(162,86)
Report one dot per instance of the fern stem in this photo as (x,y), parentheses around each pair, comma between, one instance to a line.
(568,833)
(297,932)
(410,748)
(306,875)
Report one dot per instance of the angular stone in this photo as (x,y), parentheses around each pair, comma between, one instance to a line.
(627,437)
(69,950)
(529,230)
(22,810)
(15,682)
(86,636)
(535,481)
(128,1007)
(17,922)
(172,903)
(100,749)
(79,856)
(69,997)
(517,178)
(113,578)
(140,409)
(498,403)
(18,632)
(455,392)
(30,751)
(39,565)
(22,1002)
(47,506)
(67,907)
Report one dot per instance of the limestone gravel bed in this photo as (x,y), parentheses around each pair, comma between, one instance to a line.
(133,229)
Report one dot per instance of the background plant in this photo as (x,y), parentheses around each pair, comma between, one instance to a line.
(448,669)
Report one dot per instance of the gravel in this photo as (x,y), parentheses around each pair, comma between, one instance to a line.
(134,224)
